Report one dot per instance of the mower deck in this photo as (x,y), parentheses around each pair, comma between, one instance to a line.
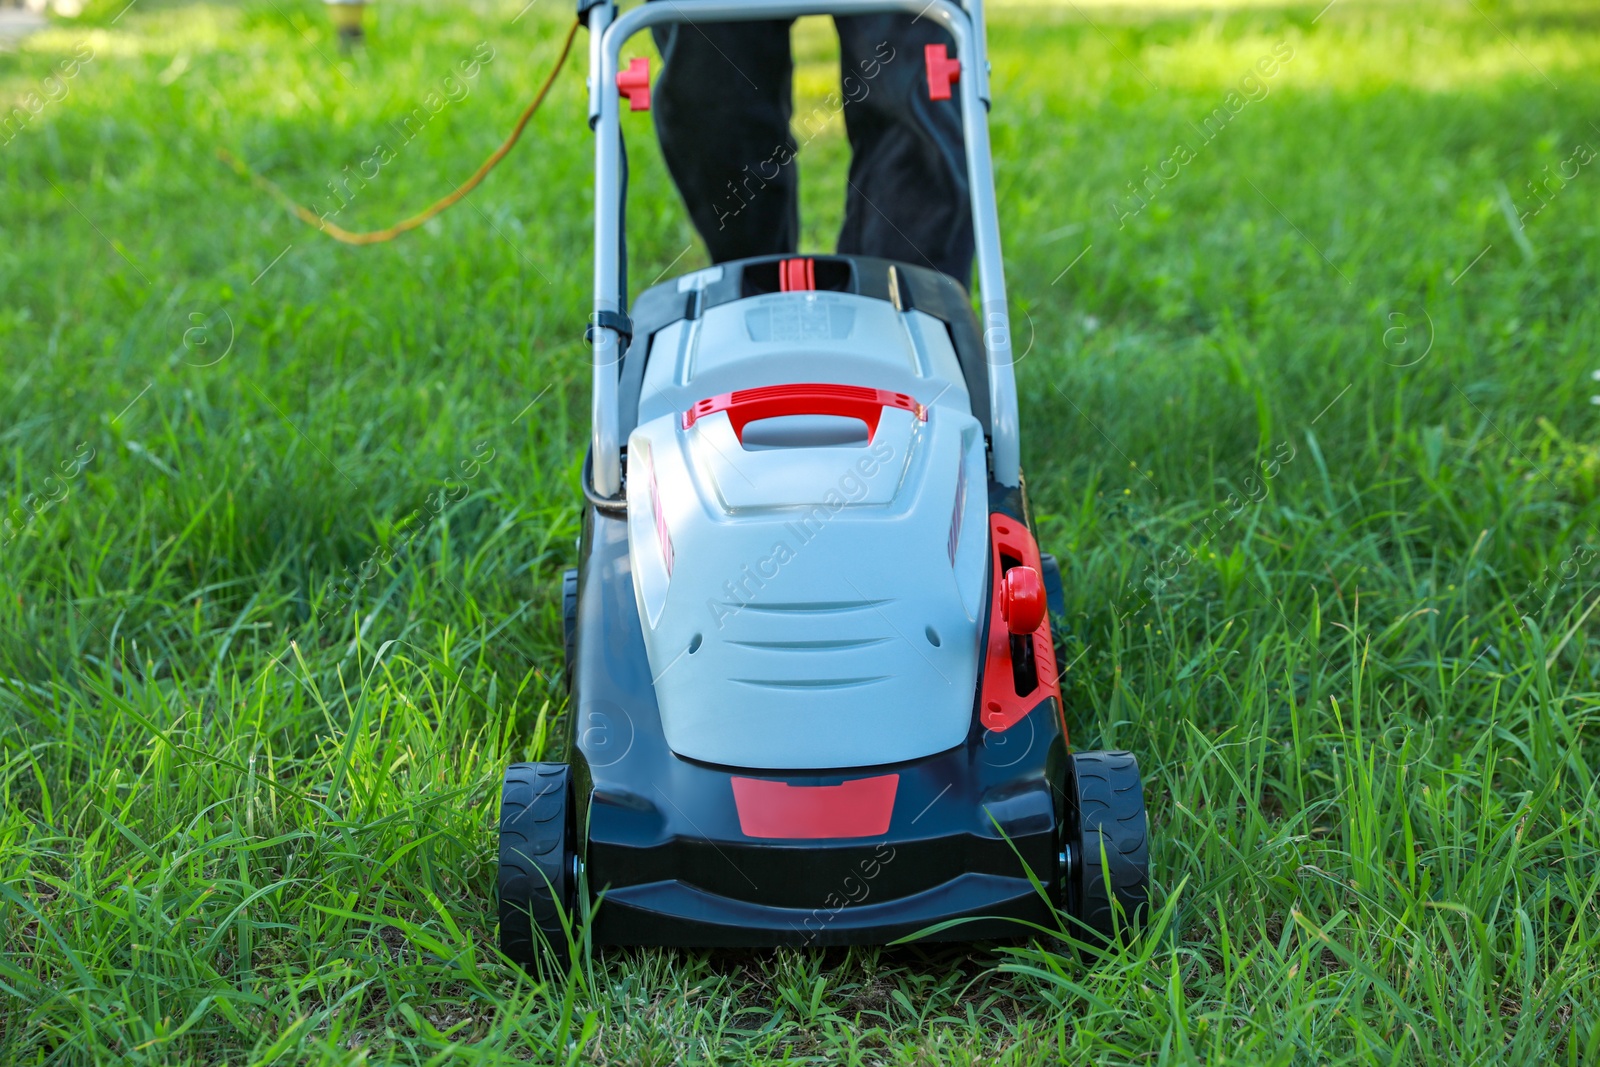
(694,854)
(882,675)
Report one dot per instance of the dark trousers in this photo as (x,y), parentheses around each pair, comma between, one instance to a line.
(724,105)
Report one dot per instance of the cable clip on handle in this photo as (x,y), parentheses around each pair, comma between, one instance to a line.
(610,320)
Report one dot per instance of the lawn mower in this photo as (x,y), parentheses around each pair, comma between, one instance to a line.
(814,693)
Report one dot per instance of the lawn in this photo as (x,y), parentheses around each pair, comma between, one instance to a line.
(1307,418)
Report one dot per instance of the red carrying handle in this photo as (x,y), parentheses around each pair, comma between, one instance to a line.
(745,406)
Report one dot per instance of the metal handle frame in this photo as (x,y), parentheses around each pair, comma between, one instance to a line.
(607,34)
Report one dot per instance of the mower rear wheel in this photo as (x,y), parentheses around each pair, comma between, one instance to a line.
(1105,855)
(538,862)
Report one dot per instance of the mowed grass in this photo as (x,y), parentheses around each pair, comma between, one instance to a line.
(1310,431)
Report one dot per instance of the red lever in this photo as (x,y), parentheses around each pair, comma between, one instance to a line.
(745,406)
(796,275)
(1003,705)
(634,83)
(1022,600)
(943,71)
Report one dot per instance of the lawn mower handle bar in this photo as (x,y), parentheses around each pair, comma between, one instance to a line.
(608,32)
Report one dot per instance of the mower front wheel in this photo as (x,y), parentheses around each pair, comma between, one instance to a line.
(1105,855)
(538,863)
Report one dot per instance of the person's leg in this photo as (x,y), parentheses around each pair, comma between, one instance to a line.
(908,196)
(722,107)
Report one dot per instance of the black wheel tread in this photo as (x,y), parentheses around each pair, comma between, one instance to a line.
(536,843)
(1110,815)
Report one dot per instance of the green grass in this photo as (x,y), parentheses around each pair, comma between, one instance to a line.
(246,803)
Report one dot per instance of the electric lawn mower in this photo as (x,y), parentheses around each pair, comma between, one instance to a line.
(813,686)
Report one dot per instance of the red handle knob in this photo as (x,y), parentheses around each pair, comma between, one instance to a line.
(943,71)
(634,83)
(1022,600)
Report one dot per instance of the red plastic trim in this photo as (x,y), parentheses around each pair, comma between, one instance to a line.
(858,808)
(1001,706)
(943,72)
(797,275)
(634,83)
(745,406)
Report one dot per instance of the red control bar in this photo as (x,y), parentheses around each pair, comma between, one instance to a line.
(745,406)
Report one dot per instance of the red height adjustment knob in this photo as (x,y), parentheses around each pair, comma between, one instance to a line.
(943,71)
(634,83)
(1022,601)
